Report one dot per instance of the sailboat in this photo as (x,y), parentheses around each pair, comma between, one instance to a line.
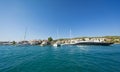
(57,44)
(24,42)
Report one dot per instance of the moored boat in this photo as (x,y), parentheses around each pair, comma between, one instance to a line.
(56,45)
(92,43)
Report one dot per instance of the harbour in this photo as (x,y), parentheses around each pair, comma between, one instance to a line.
(59,35)
(103,41)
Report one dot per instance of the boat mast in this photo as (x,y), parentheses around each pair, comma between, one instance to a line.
(57,34)
(70,36)
(25,34)
(70,33)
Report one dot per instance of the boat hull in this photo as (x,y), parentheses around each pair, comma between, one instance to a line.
(93,43)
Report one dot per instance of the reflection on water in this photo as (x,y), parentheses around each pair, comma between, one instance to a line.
(84,48)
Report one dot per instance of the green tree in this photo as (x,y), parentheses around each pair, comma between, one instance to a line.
(14,42)
(83,39)
(50,39)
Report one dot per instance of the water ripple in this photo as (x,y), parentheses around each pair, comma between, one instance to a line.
(61,59)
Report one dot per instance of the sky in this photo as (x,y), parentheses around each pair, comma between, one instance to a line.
(56,18)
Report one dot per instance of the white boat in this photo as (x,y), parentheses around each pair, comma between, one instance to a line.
(56,45)
(43,43)
(90,43)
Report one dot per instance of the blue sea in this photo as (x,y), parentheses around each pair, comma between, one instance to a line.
(60,59)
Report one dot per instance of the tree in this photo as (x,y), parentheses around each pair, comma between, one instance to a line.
(50,39)
(83,39)
(14,42)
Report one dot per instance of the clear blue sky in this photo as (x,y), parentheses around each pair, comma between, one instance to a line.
(44,17)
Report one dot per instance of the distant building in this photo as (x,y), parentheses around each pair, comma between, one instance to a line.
(23,42)
(98,39)
(5,43)
(35,42)
(87,39)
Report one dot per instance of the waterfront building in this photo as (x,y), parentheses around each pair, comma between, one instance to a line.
(5,43)
(35,42)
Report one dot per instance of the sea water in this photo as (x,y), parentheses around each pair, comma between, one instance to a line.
(60,59)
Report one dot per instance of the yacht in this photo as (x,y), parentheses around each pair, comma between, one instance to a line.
(91,43)
(56,45)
